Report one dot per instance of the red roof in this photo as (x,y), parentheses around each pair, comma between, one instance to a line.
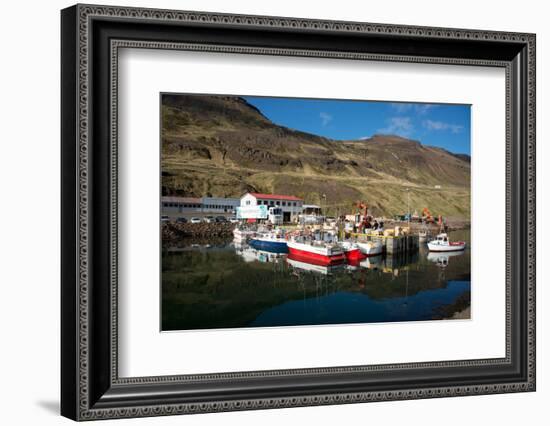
(275,196)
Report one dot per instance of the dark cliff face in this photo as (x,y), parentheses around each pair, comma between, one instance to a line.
(223,146)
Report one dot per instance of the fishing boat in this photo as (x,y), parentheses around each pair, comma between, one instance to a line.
(242,235)
(316,252)
(352,251)
(271,241)
(442,243)
(371,248)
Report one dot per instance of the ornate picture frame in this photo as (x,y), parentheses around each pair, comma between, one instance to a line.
(91,38)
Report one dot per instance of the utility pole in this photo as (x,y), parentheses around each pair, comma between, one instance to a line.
(409,206)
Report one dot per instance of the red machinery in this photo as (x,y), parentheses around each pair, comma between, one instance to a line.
(427,216)
(366,221)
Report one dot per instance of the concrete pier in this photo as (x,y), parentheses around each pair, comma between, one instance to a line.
(394,245)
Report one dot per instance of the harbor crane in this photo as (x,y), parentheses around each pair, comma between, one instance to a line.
(366,221)
(427,216)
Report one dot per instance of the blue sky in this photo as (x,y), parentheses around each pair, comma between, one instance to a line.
(443,125)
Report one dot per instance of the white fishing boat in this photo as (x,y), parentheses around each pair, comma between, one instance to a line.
(242,235)
(442,244)
(371,248)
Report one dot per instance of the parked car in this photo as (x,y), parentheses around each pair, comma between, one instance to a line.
(196,220)
(209,219)
(233,220)
(181,220)
(221,219)
(164,219)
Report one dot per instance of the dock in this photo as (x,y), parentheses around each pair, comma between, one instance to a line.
(393,244)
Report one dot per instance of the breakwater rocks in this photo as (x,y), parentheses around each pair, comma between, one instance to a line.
(172,232)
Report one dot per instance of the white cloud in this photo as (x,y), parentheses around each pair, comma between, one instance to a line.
(325,118)
(401,107)
(422,109)
(419,109)
(440,125)
(401,126)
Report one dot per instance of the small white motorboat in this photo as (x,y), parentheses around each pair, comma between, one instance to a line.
(442,244)
(371,248)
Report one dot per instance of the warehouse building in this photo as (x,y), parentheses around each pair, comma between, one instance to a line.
(175,207)
(290,205)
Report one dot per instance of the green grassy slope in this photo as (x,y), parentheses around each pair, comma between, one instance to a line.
(223,146)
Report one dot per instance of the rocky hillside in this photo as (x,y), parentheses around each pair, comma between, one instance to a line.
(223,146)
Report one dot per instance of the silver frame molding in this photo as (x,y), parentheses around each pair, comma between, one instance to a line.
(91,387)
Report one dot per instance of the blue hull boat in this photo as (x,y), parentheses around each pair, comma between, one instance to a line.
(270,245)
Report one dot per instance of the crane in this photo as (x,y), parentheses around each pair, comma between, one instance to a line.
(427,216)
(366,221)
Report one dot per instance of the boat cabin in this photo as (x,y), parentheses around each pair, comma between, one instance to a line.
(443,238)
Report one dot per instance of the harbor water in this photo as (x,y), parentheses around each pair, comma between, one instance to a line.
(216,283)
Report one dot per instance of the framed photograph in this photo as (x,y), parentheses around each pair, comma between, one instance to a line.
(263,212)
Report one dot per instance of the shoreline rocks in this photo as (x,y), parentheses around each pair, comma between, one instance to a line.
(173,232)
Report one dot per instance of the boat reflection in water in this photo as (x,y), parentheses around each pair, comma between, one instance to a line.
(301,264)
(251,254)
(373,262)
(441,259)
(232,284)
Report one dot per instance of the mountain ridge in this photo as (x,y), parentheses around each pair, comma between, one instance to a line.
(224,146)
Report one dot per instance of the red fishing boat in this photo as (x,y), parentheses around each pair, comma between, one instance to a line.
(316,252)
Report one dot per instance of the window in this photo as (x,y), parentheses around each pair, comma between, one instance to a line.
(271,203)
(278,203)
(294,204)
(284,203)
(247,202)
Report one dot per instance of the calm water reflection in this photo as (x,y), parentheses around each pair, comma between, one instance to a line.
(216,284)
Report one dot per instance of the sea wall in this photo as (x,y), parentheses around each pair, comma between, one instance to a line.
(173,232)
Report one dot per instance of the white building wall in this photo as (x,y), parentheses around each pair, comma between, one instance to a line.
(248,200)
(287,206)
